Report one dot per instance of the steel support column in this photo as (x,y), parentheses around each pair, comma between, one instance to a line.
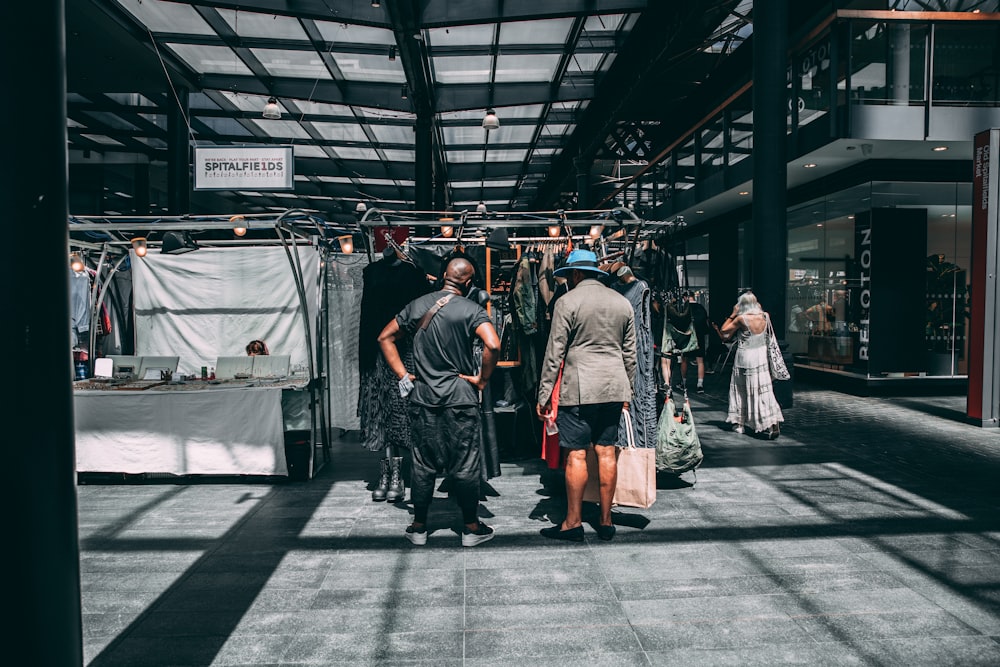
(769,235)
(41,524)
(423,182)
(178,157)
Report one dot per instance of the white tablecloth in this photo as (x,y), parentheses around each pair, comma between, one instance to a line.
(220,431)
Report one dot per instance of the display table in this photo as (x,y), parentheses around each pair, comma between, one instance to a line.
(182,429)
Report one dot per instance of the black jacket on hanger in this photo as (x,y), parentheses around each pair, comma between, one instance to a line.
(389,284)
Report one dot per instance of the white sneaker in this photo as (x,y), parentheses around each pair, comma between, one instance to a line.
(482,534)
(418,537)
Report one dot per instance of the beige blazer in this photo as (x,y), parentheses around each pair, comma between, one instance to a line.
(593,332)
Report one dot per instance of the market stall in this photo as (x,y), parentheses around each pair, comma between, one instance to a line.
(199,307)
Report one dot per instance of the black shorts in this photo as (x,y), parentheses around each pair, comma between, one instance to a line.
(581,426)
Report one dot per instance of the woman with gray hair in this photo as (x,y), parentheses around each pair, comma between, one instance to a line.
(752,404)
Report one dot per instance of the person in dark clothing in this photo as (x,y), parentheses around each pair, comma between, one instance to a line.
(699,318)
(444,388)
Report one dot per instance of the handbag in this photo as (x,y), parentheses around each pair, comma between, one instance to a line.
(636,485)
(678,448)
(776,363)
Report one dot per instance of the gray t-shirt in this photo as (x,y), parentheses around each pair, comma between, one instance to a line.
(443,350)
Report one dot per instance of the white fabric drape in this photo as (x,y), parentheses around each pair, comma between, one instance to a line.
(211,302)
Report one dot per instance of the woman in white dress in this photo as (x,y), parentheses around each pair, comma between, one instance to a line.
(752,405)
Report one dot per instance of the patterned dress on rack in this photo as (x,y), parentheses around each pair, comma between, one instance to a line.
(642,407)
(751,393)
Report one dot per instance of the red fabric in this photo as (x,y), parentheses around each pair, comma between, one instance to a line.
(551,451)
(398,233)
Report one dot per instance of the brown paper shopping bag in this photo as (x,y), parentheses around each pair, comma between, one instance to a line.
(636,485)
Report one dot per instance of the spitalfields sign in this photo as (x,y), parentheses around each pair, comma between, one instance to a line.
(244,168)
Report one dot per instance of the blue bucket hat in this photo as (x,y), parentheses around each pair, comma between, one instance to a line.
(583,260)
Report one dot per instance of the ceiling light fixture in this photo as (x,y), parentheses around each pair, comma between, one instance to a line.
(809,165)
(481,207)
(346,244)
(553,230)
(76,262)
(239,225)
(139,245)
(595,231)
(744,193)
(271,109)
(376,4)
(392,53)
(406,93)
(361,207)
(447,231)
(938,149)
(490,120)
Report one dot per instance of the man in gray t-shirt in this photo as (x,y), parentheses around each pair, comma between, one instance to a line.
(444,399)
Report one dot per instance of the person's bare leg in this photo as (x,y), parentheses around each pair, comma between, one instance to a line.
(607,468)
(576,481)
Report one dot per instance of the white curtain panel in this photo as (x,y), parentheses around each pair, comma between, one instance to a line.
(211,302)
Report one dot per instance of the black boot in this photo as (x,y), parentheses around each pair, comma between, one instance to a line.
(397,490)
(379,493)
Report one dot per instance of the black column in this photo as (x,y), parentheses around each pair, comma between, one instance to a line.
(723,277)
(140,192)
(422,181)
(582,183)
(40,497)
(769,235)
(178,157)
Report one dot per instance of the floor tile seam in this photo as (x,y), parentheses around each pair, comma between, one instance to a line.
(607,582)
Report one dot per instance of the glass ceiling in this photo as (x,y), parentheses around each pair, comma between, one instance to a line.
(350,91)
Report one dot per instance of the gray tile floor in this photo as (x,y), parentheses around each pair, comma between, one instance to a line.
(868,534)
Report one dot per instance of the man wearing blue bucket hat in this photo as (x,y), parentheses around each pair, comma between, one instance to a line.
(592,337)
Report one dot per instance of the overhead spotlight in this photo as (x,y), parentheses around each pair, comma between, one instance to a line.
(271,109)
(595,231)
(405,93)
(177,243)
(481,207)
(76,262)
(553,230)
(361,207)
(490,120)
(376,4)
(447,231)
(392,53)
(346,244)
(139,245)
(239,225)
(939,149)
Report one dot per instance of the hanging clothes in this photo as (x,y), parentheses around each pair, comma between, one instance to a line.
(642,407)
(389,284)
(79,308)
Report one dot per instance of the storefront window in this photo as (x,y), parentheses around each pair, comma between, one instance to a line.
(888,62)
(830,307)
(965,64)
(814,70)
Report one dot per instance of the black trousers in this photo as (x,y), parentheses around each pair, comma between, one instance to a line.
(446,441)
